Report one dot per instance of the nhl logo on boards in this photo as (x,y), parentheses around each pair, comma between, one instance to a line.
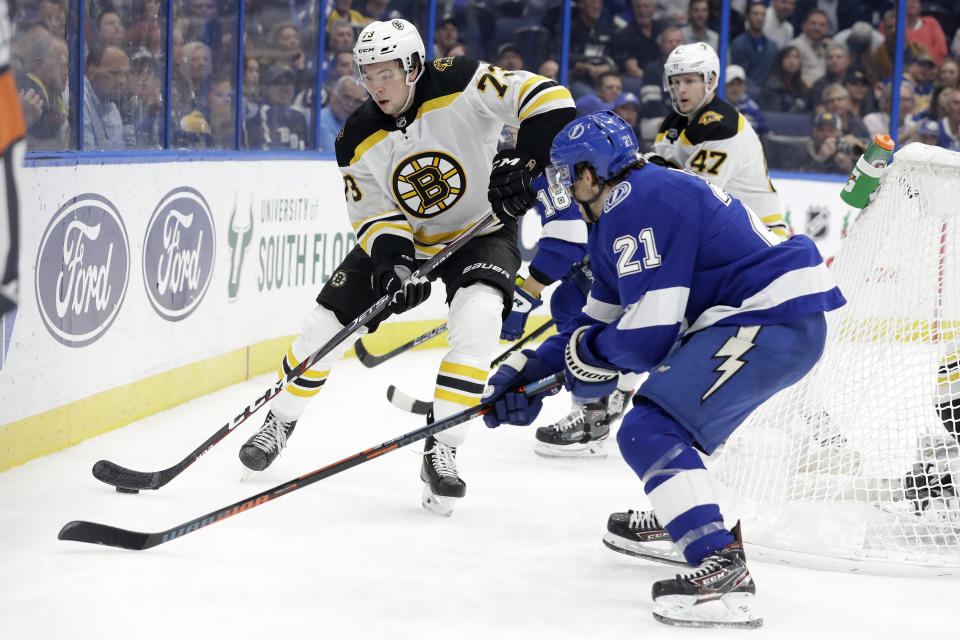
(428,183)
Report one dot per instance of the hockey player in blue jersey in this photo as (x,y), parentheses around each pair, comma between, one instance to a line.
(690,286)
(560,255)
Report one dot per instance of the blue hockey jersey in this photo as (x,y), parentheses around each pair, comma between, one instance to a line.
(563,241)
(672,254)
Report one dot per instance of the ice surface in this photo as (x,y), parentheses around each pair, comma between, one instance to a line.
(356,556)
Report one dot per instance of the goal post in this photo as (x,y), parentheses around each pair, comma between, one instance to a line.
(858,465)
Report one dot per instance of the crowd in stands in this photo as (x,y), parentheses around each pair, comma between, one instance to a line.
(814,77)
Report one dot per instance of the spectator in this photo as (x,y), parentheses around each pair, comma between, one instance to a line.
(46,64)
(374,10)
(509,57)
(635,44)
(342,9)
(827,151)
(345,98)
(861,40)
(736,95)
(445,36)
(591,40)
(777,26)
(672,12)
(251,81)
(197,68)
(147,31)
(627,106)
(202,24)
(285,45)
(950,124)
(715,19)
(836,98)
(921,70)
(696,29)
(590,103)
(26,34)
(110,30)
(879,65)
(549,68)
(812,46)
(785,90)
(947,74)
(105,84)
(277,125)
(53,15)
(923,30)
(608,86)
(862,101)
(837,65)
(878,122)
(752,50)
(841,14)
(654,100)
(220,112)
(341,65)
(938,103)
(928,132)
(340,40)
(144,109)
(458,49)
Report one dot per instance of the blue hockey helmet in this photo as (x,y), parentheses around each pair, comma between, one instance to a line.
(603,140)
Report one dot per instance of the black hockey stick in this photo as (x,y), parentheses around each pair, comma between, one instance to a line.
(123,478)
(367,359)
(94,533)
(536,333)
(408,403)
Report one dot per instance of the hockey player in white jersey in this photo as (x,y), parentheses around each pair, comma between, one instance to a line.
(711,138)
(692,287)
(416,160)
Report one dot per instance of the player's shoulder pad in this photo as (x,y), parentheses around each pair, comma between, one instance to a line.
(716,121)
(444,76)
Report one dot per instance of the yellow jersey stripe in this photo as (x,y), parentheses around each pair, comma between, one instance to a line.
(457,398)
(464,370)
(429,105)
(550,95)
(526,86)
(302,393)
(367,144)
(380,226)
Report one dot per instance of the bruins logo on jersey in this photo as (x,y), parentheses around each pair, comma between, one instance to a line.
(709,116)
(427,184)
(442,64)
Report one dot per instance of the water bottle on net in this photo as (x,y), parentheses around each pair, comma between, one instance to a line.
(866,173)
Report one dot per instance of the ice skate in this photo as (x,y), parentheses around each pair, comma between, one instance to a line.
(929,485)
(262,449)
(580,434)
(718,593)
(617,404)
(640,534)
(442,485)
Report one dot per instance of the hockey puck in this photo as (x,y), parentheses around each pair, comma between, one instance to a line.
(125,490)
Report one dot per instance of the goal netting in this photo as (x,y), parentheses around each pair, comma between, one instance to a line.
(855,462)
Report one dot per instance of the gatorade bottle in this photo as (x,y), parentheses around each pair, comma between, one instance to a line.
(866,174)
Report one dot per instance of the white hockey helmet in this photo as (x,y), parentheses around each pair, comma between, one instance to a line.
(697,57)
(390,40)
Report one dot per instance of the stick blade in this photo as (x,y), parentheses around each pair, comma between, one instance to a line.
(408,403)
(366,358)
(94,533)
(117,476)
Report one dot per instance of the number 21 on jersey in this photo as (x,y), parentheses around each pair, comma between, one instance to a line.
(626,247)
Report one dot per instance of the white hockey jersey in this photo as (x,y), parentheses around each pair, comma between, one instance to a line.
(423,176)
(721,147)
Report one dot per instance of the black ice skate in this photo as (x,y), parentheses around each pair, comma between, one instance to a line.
(580,434)
(441,483)
(718,593)
(617,404)
(262,449)
(640,534)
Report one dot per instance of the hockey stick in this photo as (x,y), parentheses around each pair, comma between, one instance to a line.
(94,533)
(132,481)
(536,333)
(367,359)
(408,403)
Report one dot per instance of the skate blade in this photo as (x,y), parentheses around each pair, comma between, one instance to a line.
(732,611)
(593,449)
(665,556)
(440,505)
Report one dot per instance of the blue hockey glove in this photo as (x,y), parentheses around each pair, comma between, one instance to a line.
(587,375)
(512,406)
(580,275)
(523,304)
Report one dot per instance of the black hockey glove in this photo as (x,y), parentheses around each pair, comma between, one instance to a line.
(509,193)
(391,279)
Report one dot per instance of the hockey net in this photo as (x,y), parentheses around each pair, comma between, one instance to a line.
(857,461)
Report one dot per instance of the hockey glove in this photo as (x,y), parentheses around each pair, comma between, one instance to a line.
(588,376)
(512,406)
(393,279)
(509,192)
(581,276)
(523,304)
